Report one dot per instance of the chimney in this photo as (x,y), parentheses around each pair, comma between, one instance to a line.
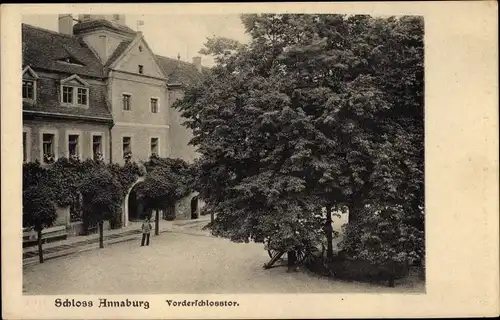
(197,63)
(66,24)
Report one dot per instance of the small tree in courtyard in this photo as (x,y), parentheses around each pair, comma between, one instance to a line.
(102,194)
(167,180)
(39,211)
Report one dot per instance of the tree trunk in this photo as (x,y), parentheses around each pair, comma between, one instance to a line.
(329,232)
(157,223)
(101,234)
(40,249)
(354,212)
(212,217)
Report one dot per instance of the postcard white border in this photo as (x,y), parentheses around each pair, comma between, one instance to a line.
(462,178)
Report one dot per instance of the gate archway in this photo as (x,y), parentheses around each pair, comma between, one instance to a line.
(136,208)
(126,202)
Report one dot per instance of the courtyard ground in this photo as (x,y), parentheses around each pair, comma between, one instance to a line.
(188,262)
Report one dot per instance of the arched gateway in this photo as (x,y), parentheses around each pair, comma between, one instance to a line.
(132,207)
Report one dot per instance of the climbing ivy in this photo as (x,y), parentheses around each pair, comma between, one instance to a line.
(65,176)
(167,180)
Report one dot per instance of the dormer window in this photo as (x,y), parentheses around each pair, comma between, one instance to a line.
(74,92)
(70,60)
(29,84)
(29,89)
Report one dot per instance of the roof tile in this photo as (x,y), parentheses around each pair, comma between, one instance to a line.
(179,72)
(43,48)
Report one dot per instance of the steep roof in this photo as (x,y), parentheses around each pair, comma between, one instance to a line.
(118,51)
(99,24)
(48,103)
(43,48)
(179,72)
(42,51)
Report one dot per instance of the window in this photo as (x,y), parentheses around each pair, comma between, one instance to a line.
(29,89)
(127,148)
(154,105)
(140,48)
(29,84)
(25,146)
(67,94)
(126,102)
(73,149)
(141,68)
(154,147)
(97,147)
(82,96)
(75,95)
(86,17)
(48,147)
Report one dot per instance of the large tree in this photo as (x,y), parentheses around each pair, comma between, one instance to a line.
(315,111)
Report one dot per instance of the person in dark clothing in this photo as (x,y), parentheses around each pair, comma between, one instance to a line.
(146,231)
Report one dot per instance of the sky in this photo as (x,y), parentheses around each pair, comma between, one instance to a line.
(170,35)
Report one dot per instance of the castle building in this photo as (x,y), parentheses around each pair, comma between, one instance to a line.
(95,89)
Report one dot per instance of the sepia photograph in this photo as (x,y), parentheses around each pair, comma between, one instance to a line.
(292,161)
(187,161)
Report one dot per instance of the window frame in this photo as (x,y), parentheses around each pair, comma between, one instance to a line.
(80,144)
(158,146)
(55,145)
(103,144)
(157,104)
(129,95)
(27,146)
(75,94)
(32,77)
(130,136)
(33,87)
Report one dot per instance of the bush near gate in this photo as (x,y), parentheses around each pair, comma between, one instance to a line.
(167,180)
(102,197)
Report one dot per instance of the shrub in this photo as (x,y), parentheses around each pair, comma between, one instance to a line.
(384,235)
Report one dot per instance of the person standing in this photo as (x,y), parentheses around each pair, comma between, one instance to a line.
(146,231)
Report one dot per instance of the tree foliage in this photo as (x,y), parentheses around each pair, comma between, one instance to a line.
(167,180)
(64,181)
(315,110)
(39,211)
(102,194)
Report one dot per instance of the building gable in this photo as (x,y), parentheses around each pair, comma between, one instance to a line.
(28,73)
(74,80)
(138,58)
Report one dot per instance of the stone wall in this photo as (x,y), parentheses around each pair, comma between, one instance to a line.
(183,207)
